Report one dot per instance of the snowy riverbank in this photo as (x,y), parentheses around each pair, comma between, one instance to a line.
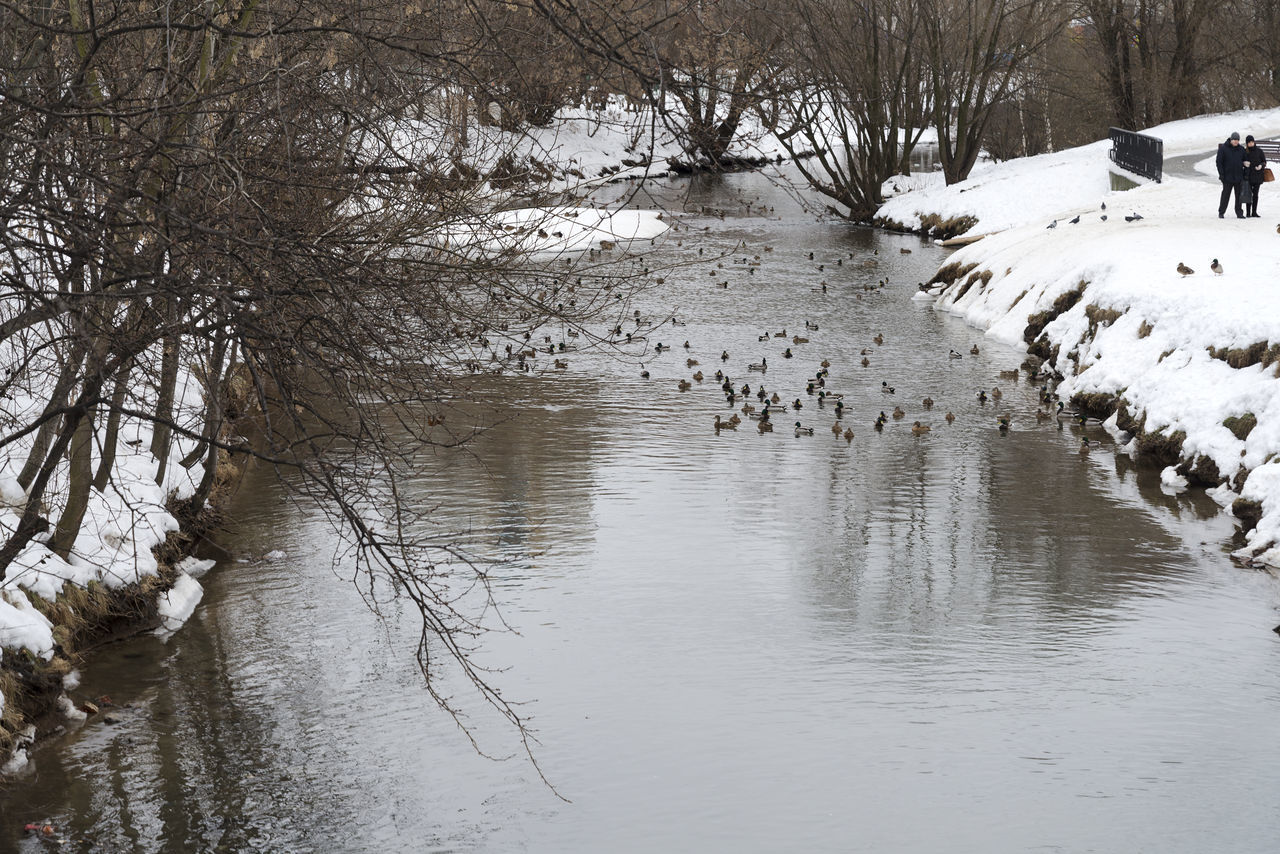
(1182,368)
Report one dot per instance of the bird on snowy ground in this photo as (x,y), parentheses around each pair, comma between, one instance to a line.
(1216,267)
(1184,269)
(1104,206)
(1054,224)
(1103,217)
(1136,216)
(1076,220)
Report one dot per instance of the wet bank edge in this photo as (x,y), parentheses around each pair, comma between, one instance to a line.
(86,618)
(1046,364)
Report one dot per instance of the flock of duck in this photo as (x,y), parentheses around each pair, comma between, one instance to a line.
(770,409)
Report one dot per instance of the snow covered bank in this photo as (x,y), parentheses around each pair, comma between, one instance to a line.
(583,146)
(999,196)
(1184,367)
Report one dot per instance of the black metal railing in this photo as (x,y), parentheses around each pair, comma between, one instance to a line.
(1139,154)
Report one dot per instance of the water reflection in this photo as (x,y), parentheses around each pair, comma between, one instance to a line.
(966,641)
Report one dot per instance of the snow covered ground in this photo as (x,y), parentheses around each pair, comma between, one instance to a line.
(1187,353)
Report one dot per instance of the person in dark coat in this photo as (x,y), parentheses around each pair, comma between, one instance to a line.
(1231,174)
(1255,161)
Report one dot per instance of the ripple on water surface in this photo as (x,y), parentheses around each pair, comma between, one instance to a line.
(964,641)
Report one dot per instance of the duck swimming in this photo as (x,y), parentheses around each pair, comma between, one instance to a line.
(848,434)
(927,403)
(803,431)
(950,418)
(919,429)
(724,425)
(762,365)
(885,387)
(897,412)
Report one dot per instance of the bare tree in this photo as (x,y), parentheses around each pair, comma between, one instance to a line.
(264,198)
(856,99)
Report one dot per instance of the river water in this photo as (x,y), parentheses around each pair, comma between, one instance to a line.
(967,641)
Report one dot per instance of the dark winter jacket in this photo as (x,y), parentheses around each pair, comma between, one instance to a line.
(1255,162)
(1230,163)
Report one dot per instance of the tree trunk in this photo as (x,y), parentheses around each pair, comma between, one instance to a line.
(81,479)
(109,440)
(66,379)
(161,435)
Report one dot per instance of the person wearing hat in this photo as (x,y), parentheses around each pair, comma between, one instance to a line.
(1231,174)
(1254,162)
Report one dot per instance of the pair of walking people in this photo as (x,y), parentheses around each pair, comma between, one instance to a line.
(1241,169)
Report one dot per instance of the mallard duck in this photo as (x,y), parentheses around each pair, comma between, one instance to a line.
(761,394)
(996,393)
(765,426)
(685,385)
(866,363)
(848,434)
(1085,444)
(881,420)
(808,325)
(774,398)
(1216,267)
(898,412)
(825,364)
(747,409)
(724,355)
(644,373)
(697,375)
(686,345)
(885,387)
(1008,375)
(954,355)
(799,339)
(787,353)
(1185,270)
(839,408)
(879,339)
(764,337)
(982,397)
(797,405)
(561,364)
(1003,422)
(660,347)
(782,334)
(950,417)
(835,428)
(803,431)
(865,351)
(724,425)
(1041,415)
(734,419)
(927,403)
(762,365)
(919,429)
(691,363)
(973,351)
